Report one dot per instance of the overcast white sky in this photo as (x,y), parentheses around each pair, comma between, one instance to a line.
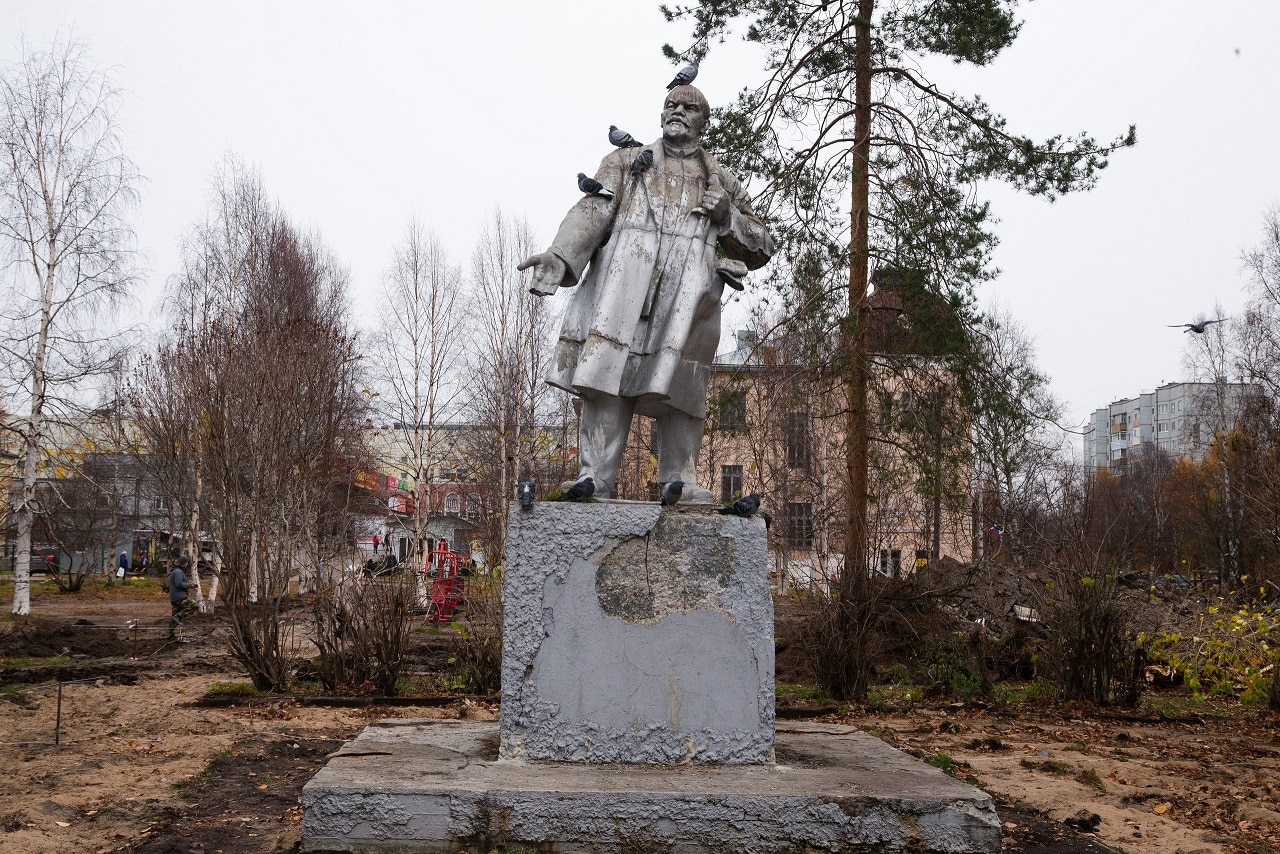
(361,114)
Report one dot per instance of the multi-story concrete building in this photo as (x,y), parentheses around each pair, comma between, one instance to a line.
(1179,419)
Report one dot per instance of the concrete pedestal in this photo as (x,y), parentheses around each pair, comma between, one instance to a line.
(635,633)
(637,718)
(429,787)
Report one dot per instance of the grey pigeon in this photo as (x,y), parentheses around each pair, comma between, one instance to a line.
(746,506)
(1197,328)
(684,76)
(671,493)
(525,491)
(622,139)
(592,187)
(642,162)
(580,491)
(767,517)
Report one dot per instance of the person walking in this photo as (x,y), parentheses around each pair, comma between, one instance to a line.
(179,598)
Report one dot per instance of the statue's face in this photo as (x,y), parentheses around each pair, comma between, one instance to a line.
(684,116)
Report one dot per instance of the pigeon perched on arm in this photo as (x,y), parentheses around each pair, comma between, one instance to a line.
(1198,327)
(684,76)
(580,491)
(642,162)
(746,506)
(622,139)
(592,187)
(526,491)
(671,492)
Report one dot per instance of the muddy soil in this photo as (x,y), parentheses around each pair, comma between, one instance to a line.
(140,765)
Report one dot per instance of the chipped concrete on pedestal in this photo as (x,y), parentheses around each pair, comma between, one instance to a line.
(638,654)
(634,633)
(430,787)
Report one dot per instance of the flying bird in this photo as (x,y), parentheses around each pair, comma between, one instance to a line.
(525,491)
(642,162)
(622,139)
(746,506)
(684,76)
(580,491)
(671,492)
(592,187)
(1198,327)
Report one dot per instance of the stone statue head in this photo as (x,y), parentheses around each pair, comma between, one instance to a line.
(685,114)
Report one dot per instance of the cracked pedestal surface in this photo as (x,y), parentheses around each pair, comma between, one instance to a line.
(636,634)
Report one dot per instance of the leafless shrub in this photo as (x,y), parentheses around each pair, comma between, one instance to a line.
(478,648)
(1083,545)
(361,627)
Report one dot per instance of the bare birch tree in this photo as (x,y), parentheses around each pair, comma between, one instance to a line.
(416,356)
(65,246)
(509,360)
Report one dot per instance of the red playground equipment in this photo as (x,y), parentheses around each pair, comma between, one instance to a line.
(447,583)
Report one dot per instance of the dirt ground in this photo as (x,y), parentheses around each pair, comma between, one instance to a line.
(141,766)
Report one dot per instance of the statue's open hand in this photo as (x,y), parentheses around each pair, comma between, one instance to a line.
(548,272)
(715,200)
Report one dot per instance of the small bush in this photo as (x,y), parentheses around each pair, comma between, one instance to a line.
(361,627)
(1093,652)
(477,652)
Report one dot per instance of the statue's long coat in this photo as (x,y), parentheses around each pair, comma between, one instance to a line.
(644,318)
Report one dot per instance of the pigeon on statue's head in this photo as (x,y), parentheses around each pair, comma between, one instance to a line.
(684,76)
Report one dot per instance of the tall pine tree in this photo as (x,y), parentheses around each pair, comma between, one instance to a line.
(856,155)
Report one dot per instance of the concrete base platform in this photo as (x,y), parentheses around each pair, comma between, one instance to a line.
(437,786)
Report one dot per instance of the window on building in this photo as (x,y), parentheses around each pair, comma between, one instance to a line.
(732,410)
(474,507)
(730,483)
(891,562)
(798,439)
(799,519)
(453,504)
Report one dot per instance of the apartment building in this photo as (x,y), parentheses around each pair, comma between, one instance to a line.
(776,427)
(1179,419)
